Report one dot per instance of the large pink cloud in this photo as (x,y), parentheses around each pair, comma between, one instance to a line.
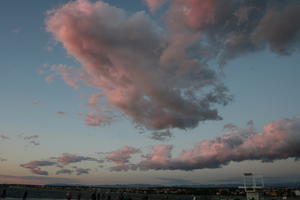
(157,73)
(131,60)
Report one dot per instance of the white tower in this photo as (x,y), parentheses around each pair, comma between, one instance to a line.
(253,186)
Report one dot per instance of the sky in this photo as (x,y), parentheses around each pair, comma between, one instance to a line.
(149,91)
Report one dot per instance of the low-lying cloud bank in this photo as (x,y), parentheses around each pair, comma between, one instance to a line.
(60,162)
(278,140)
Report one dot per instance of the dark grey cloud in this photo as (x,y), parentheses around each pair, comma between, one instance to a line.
(31,137)
(35,166)
(229,126)
(79,171)
(280,28)
(161,135)
(67,158)
(64,171)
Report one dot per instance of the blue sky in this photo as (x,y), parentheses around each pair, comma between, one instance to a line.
(264,85)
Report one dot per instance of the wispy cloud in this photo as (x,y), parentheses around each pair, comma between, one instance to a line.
(31,139)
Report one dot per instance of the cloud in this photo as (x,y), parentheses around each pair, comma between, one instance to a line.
(3,137)
(31,137)
(97,119)
(130,58)
(64,171)
(49,78)
(59,112)
(155,4)
(228,29)
(158,159)
(70,75)
(280,28)
(163,67)
(34,143)
(36,102)
(161,135)
(80,171)
(278,140)
(34,166)
(93,99)
(67,159)
(58,162)
(121,157)
(229,127)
